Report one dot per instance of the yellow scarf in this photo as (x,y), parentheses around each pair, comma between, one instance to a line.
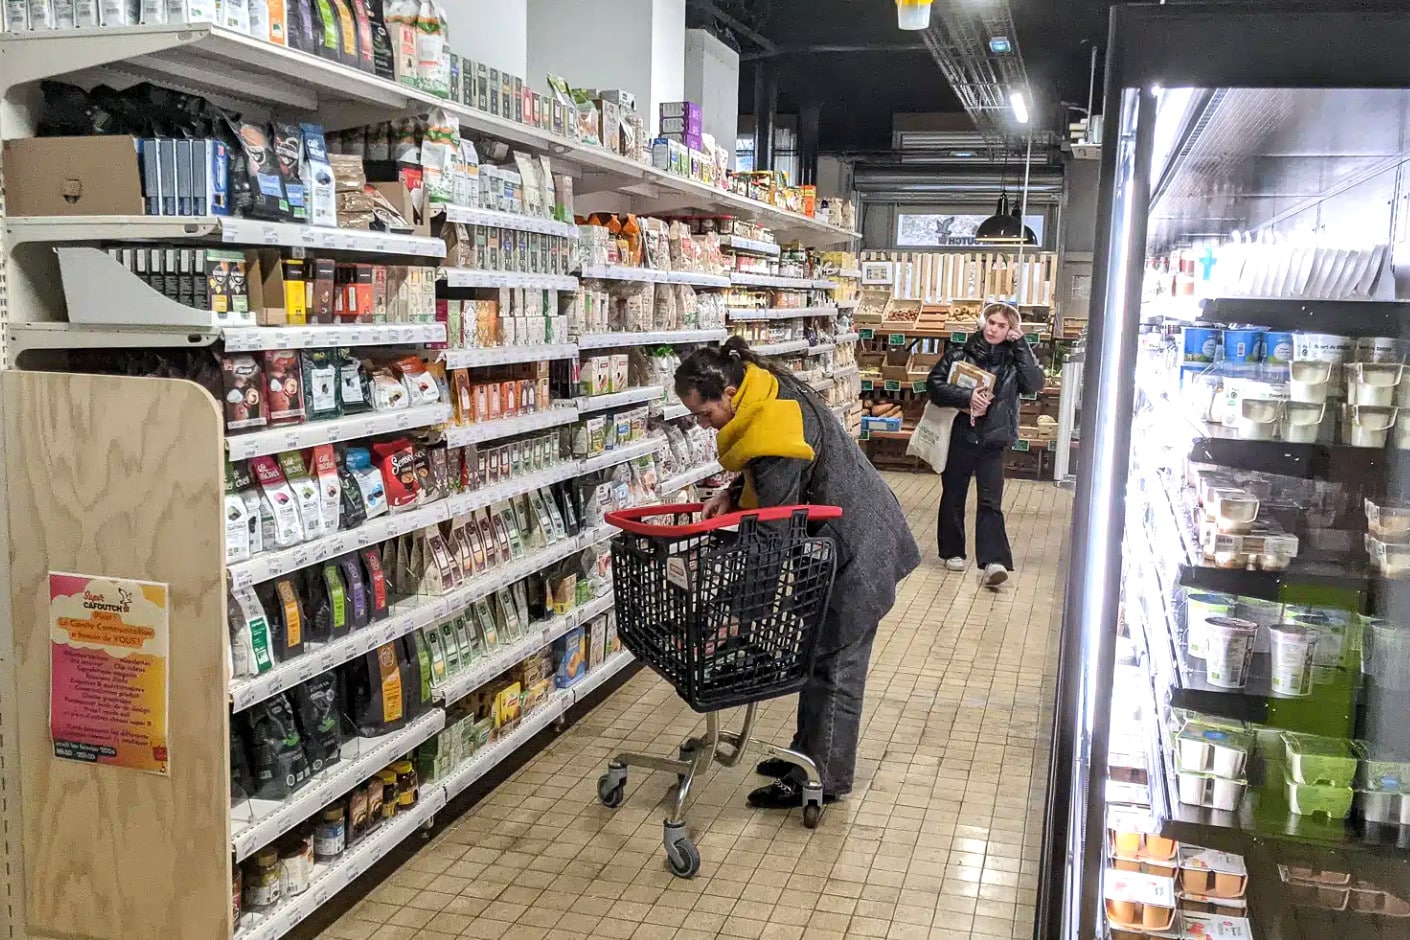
(762,426)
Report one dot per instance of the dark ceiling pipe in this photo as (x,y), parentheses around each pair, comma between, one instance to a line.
(809,129)
(760,40)
(834,48)
(765,113)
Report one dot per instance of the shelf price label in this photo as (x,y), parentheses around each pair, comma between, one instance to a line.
(866,334)
(1031,339)
(896,339)
(1032,397)
(868,385)
(1052,447)
(1021,446)
(958,337)
(917,386)
(864,435)
(893,385)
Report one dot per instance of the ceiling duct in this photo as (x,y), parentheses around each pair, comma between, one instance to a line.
(959,39)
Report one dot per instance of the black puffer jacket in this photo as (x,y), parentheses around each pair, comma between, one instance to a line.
(1017,371)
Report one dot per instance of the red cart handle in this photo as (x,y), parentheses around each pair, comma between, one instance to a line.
(626,519)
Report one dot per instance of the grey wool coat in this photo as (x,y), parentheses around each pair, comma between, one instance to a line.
(875,550)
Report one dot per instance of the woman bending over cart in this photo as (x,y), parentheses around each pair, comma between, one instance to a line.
(790,449)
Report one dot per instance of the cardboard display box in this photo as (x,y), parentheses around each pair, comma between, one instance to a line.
(72,176)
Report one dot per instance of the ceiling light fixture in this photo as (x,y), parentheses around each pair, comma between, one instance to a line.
(1020,107)
(913,14)
(1000,45)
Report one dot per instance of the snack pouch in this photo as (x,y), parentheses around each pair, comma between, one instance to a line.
(245,392)
(284,375)
(276,754)
(359,604)
(305,492)
(315,705)
(251,652)
(282,526)
(323,468)
(321,384)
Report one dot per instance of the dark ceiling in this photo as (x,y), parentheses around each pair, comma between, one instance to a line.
(859,91)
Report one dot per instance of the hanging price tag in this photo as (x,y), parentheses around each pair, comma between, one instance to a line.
(896,339)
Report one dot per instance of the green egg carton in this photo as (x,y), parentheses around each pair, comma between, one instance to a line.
(1325,762)
(1310,800)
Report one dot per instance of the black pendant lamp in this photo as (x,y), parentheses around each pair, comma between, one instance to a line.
(1029,238)
(1003,227)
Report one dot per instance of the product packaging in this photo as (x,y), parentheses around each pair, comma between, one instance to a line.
(276,753)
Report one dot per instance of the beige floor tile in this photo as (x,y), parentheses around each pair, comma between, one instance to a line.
(940,837)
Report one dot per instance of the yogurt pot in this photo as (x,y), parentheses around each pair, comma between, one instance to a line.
(1400,436)
(1323,347)
(1262,612)
(1278,348)
(1292,645)
(1366,426)
(1375,384)
(1309,380)
(1378,349)
(1198,609)
(1207,790)
(1302,421)
(1222,752)
(1201,344)
(1230,647)
(1243,346)
(1258,419)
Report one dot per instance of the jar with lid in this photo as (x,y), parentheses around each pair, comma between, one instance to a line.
(330,836)
(262,880)
(295,864)
(388,778)
(407,785)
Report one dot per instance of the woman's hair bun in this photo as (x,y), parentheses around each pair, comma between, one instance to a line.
(736,347)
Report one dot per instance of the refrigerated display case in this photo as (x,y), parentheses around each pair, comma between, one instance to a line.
(1232,730)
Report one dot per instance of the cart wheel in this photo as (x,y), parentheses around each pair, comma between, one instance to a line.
(683,857)
(609,793)
(812,815)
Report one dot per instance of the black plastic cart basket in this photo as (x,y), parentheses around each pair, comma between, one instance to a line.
(727,611)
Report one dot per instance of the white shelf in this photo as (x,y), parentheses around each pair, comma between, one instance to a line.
(617,272)
(207,59)
(842,371)
(842,339)
(257,823)
(848,304)
(621,454)
(325,336)
(548,711)
(461,685)
(229,230)
(781,349)
(312,433)
(821,385)
(331,877)
(821,348)
(492,755)
(405,617)
(854,273)
(750,246)
(694,475)
(662,338)
(825,284)
(772,280)
(466,215)
(470,277)
(779,313)
(598,677)
(673,411)
(552,417)
(631,396)
(507,355)
(268,565)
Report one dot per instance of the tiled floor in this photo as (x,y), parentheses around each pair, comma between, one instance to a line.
(940,839)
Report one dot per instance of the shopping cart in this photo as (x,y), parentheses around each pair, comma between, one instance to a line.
(727,611)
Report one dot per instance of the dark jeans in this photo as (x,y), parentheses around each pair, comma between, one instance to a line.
(830,709)
(991,539)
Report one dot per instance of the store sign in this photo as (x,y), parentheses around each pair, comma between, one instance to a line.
(109,642)
(878,272)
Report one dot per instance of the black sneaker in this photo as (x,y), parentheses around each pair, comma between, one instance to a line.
(773,767)
(783,794)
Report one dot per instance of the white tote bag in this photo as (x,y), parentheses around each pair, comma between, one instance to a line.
(930,441)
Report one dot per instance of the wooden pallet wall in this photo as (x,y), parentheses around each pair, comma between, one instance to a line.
(945,276)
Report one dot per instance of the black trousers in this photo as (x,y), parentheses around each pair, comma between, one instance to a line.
(986,467)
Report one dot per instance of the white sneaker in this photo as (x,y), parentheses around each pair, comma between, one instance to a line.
(994,575)
(955,564)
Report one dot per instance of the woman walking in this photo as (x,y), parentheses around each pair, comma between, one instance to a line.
(790,450)
(986,426)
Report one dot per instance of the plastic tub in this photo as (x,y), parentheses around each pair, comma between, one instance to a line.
(1278,348)
(1321,761)
(1218,751)
(1291,648)
(1230,646)
(1262,612)
(1390,559)
(1385,654)
(1400,435)
(1378,349)
(1309,381)
(1328,348)
(1198,609)
(1382,807)
(1302,421)
(1201,344)
(1389,522)
(1208,790)
(1309,800)
(1373,383)
(1236,514)
(1366,426)
(1243,346)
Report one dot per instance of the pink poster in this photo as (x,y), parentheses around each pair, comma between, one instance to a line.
(108,698)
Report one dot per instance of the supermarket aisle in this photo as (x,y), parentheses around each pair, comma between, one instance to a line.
(940,839)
